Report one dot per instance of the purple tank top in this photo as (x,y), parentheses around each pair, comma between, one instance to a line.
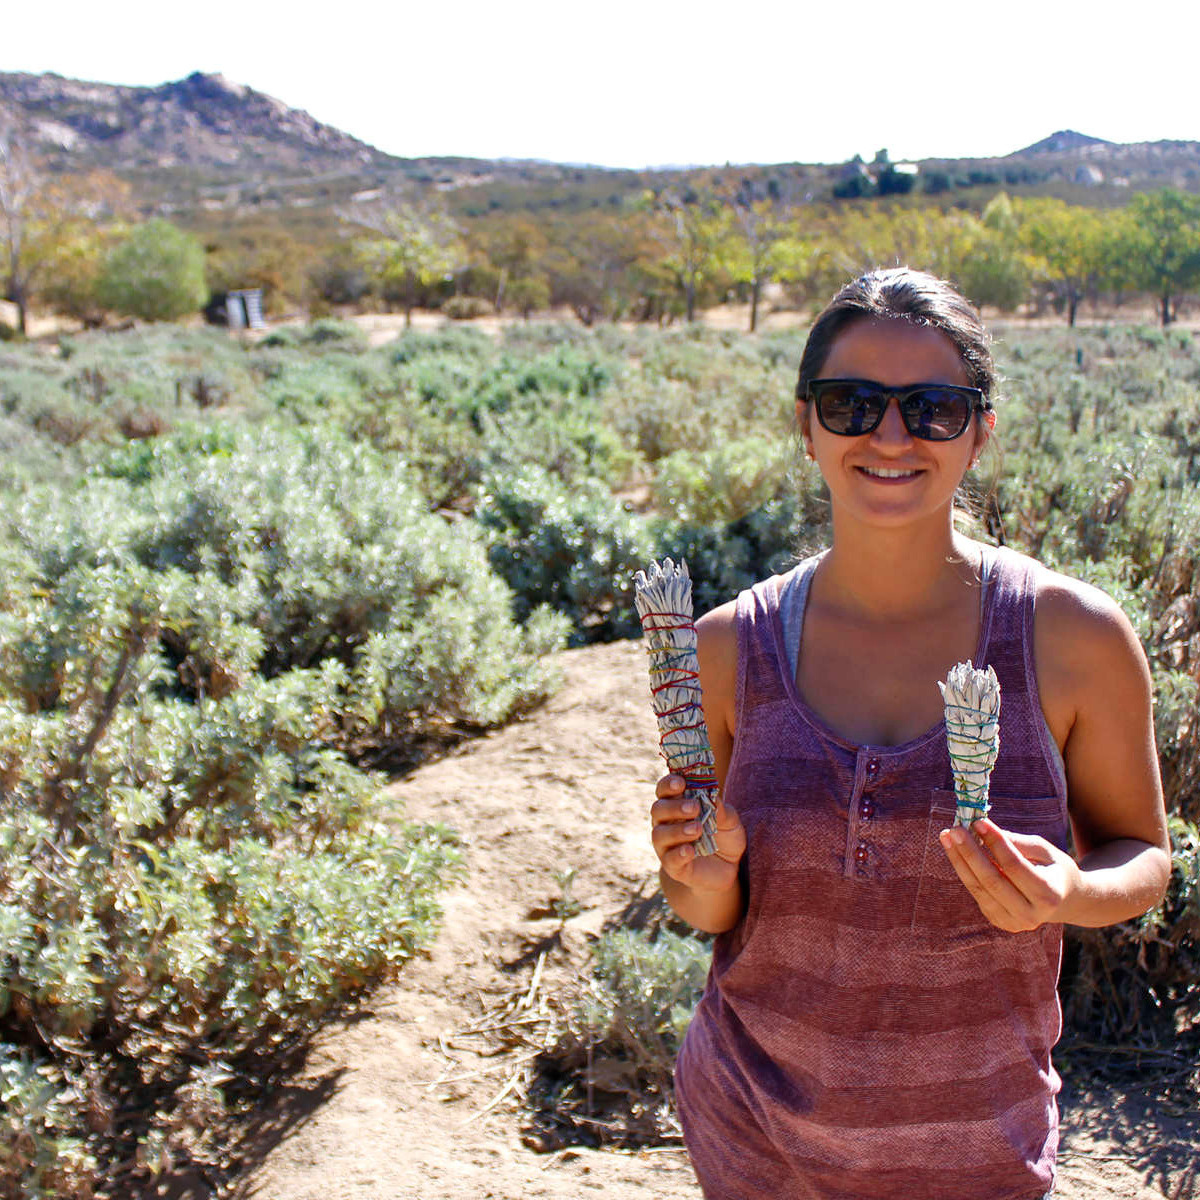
(865,1034)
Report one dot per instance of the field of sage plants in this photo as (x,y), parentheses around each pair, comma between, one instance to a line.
(241,581)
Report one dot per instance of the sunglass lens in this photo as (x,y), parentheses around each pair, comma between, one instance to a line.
(936,414)
(849,409)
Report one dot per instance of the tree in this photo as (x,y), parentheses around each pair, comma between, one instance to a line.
(979,255)
(261,254)
(694,230)
(1068,244)
(415,245)
(516,251)
(1159,245)
(18,185)
(156,273)
(52,233)
(765,240)
(986,259)
(597,262)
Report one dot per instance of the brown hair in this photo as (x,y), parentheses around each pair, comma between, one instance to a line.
(902,294)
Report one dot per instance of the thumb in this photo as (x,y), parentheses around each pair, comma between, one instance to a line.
(1029,846)
(727,816)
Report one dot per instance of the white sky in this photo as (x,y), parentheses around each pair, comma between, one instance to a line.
(645,83)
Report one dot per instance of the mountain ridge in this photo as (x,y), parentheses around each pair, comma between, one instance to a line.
(207,144)
(201,120)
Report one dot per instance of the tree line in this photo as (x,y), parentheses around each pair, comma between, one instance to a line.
(73,245)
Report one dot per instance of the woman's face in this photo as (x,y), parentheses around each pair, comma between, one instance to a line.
(887,476)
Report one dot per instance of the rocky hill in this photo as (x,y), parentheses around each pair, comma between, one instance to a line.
(205,144)
(1065,140)
(200,121)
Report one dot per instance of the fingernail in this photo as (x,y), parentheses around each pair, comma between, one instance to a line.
(691,807)
(692,827)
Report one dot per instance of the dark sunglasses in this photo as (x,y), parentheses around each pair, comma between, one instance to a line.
(934,412)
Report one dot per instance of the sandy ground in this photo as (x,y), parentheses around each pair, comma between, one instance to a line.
(382,328)
(402,1101)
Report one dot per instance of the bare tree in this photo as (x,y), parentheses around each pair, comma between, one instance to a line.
(53,230)
(18,185)
(415,243)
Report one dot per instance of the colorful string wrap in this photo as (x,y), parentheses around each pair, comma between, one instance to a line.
(663,595)
(972,700)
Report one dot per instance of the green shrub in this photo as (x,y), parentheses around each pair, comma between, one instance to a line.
(283,337)
(333,332)
(156,273)
(615,1058)
(573,548)
(723,482)
(467,308)
(644,994)
(199,643)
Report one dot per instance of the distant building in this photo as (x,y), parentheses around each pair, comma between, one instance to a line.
(241,309)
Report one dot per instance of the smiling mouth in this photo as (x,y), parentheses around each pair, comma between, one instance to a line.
(888,472)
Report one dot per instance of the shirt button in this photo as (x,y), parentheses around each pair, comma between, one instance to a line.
(872,766)
(866,810)
(860,854)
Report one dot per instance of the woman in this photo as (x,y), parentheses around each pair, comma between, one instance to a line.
(881,1006)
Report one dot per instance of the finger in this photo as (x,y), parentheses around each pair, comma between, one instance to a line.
(670,785)
(678,862)
(673,834)
(1017,856)
(1011,862)
(673,808)
(999,900)
(727,816)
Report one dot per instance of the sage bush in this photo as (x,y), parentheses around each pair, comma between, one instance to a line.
(202,643)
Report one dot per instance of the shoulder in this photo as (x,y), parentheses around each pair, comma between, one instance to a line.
(1078,621)
(716,642)
(1087,653)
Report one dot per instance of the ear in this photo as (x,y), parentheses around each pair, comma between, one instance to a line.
(802,420)
(983,432)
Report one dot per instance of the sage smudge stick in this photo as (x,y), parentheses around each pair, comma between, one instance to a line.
(663,595)
(972,700)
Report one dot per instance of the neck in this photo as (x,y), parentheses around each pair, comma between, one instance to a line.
(893,573)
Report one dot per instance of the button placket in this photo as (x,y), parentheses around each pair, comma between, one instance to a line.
(863,809)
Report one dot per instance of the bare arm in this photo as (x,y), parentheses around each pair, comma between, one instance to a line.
(1096,693)
(705,891)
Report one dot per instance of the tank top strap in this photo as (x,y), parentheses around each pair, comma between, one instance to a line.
(761,640)
(1006,636)
(1007,642)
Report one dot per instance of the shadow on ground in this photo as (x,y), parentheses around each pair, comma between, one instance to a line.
(1155,1123)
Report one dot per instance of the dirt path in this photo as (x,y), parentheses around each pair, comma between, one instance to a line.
(394,1104)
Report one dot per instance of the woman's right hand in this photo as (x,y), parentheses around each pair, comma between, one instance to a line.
(676,826)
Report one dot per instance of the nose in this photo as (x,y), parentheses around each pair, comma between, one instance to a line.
(891,429)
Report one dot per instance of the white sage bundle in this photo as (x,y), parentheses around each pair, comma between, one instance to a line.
(663,595)
(972,699)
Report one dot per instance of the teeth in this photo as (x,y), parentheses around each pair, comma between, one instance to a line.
(887,472)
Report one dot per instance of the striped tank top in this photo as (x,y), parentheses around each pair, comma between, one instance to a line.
(865,1033)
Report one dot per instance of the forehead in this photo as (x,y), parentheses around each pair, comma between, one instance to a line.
(894,353)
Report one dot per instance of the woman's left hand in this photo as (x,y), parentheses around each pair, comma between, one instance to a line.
(1019,881)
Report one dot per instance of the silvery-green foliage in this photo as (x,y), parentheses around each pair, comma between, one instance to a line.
(191,866)
(724,482)
(574,548)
